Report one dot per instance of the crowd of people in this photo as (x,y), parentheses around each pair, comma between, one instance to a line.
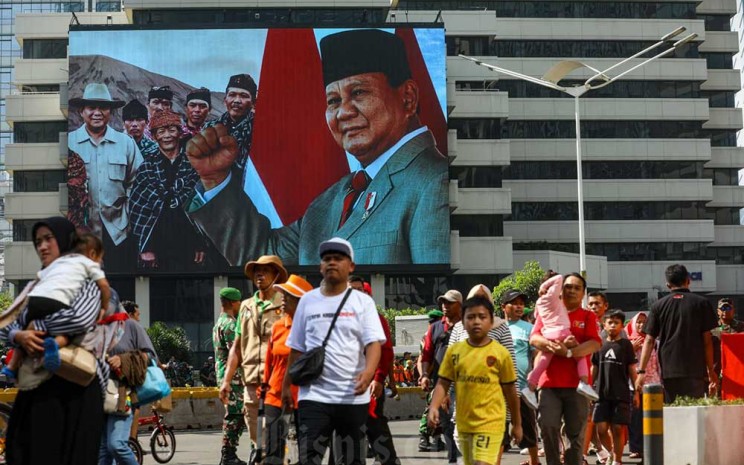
(576,372)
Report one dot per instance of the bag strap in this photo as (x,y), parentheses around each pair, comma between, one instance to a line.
(335,317)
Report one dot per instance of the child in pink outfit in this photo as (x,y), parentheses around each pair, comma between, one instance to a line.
(556,327)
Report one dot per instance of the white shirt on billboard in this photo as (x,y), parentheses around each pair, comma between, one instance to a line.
(358,325)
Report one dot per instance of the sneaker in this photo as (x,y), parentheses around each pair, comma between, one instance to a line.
(424,445)
(524,451)
(529,398)
(587,391)
(438,445)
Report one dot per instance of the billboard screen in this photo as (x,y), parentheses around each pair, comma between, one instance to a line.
(199,150)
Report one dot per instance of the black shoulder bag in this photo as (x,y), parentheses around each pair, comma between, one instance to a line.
(309,366)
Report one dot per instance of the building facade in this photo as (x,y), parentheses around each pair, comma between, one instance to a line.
(660,156)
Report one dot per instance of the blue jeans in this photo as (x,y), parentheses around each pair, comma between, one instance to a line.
(115,441)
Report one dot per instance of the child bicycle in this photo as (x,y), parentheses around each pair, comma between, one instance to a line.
(162,439)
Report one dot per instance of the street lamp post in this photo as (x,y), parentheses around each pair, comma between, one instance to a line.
(598,80)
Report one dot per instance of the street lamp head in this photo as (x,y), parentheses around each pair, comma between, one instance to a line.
(685,40)
(674,33)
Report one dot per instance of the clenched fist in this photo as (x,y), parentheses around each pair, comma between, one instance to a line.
(212,153)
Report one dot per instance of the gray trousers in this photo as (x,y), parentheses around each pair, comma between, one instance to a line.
(567,404)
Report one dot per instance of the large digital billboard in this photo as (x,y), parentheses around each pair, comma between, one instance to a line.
(199,150)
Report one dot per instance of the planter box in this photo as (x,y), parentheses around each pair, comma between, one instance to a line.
(703,435)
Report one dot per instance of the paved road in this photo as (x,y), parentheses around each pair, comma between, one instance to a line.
(204,448)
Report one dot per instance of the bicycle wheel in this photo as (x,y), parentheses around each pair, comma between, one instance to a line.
(139,454)
(5,410)
(163,445)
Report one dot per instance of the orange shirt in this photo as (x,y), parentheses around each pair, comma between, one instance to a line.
(277,356)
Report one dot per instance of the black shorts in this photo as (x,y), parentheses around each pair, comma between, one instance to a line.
(529,427)
(615,412)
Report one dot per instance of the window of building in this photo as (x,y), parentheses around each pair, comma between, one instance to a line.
(22,230)
(46,131)
(123,286)
(561,9)
(719,98)
(490,46)
(716,22)
(263,16)
(496,128)
(476,176)
(186,303)
(726,255)
(726,215)
(38,181)
(618,89)
(478,225)
(629,301)
(630,251)
(604,170)
(108,6)
(718,60)
(45,48)
(598,211)
(724,176)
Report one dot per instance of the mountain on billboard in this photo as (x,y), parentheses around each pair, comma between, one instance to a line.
(126,82)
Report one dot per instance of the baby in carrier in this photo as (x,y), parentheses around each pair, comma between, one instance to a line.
(58,285)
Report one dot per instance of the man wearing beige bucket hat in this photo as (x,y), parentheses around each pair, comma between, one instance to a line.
(111,161)
(256,317)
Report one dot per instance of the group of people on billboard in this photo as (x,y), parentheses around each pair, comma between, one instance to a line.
(170,194)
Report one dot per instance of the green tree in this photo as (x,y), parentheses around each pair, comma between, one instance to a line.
(170,342)
(526,280)
(5,300)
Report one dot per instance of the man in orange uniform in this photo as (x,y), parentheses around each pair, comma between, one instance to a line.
(277,356)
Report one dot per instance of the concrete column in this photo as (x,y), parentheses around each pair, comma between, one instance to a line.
(377,281)
(219,283)
(142,297)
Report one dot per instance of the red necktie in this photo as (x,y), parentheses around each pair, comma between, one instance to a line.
(359,183)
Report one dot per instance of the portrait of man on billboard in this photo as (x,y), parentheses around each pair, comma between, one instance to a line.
(103,165)
(394,209)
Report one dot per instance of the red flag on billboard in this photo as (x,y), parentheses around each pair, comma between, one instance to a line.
(293,150)
(430,110)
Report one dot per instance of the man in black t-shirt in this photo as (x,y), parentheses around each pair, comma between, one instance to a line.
(682,321)
(613,367)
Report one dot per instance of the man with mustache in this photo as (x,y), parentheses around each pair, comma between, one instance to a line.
(111,160)
(198,104)
(159,98)
(163,183)
(394,208)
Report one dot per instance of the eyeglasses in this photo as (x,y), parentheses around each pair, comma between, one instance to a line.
(724,308)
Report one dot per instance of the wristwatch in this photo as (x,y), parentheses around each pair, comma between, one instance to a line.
(569,353)
(641,372)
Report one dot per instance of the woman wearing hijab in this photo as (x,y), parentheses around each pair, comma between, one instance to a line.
(54,420)
(637,337)
(500,333)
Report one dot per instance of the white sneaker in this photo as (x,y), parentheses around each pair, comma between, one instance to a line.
(529,398)
(524,451)
(587,391)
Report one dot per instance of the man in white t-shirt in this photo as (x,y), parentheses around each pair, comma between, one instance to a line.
(339,399)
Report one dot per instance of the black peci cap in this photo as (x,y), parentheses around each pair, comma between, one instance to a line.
(362,51)
(134,110)
(243,81)
(201,93)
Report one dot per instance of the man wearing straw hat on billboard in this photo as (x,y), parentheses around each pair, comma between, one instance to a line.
(256,317)
(111,161)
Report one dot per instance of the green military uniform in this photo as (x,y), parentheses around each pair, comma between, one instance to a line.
(223,337)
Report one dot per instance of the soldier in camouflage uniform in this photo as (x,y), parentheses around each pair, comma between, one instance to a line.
(223,337)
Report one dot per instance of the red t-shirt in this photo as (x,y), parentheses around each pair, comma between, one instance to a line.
(561,372)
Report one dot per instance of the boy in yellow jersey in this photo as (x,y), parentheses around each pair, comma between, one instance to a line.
(478,366)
